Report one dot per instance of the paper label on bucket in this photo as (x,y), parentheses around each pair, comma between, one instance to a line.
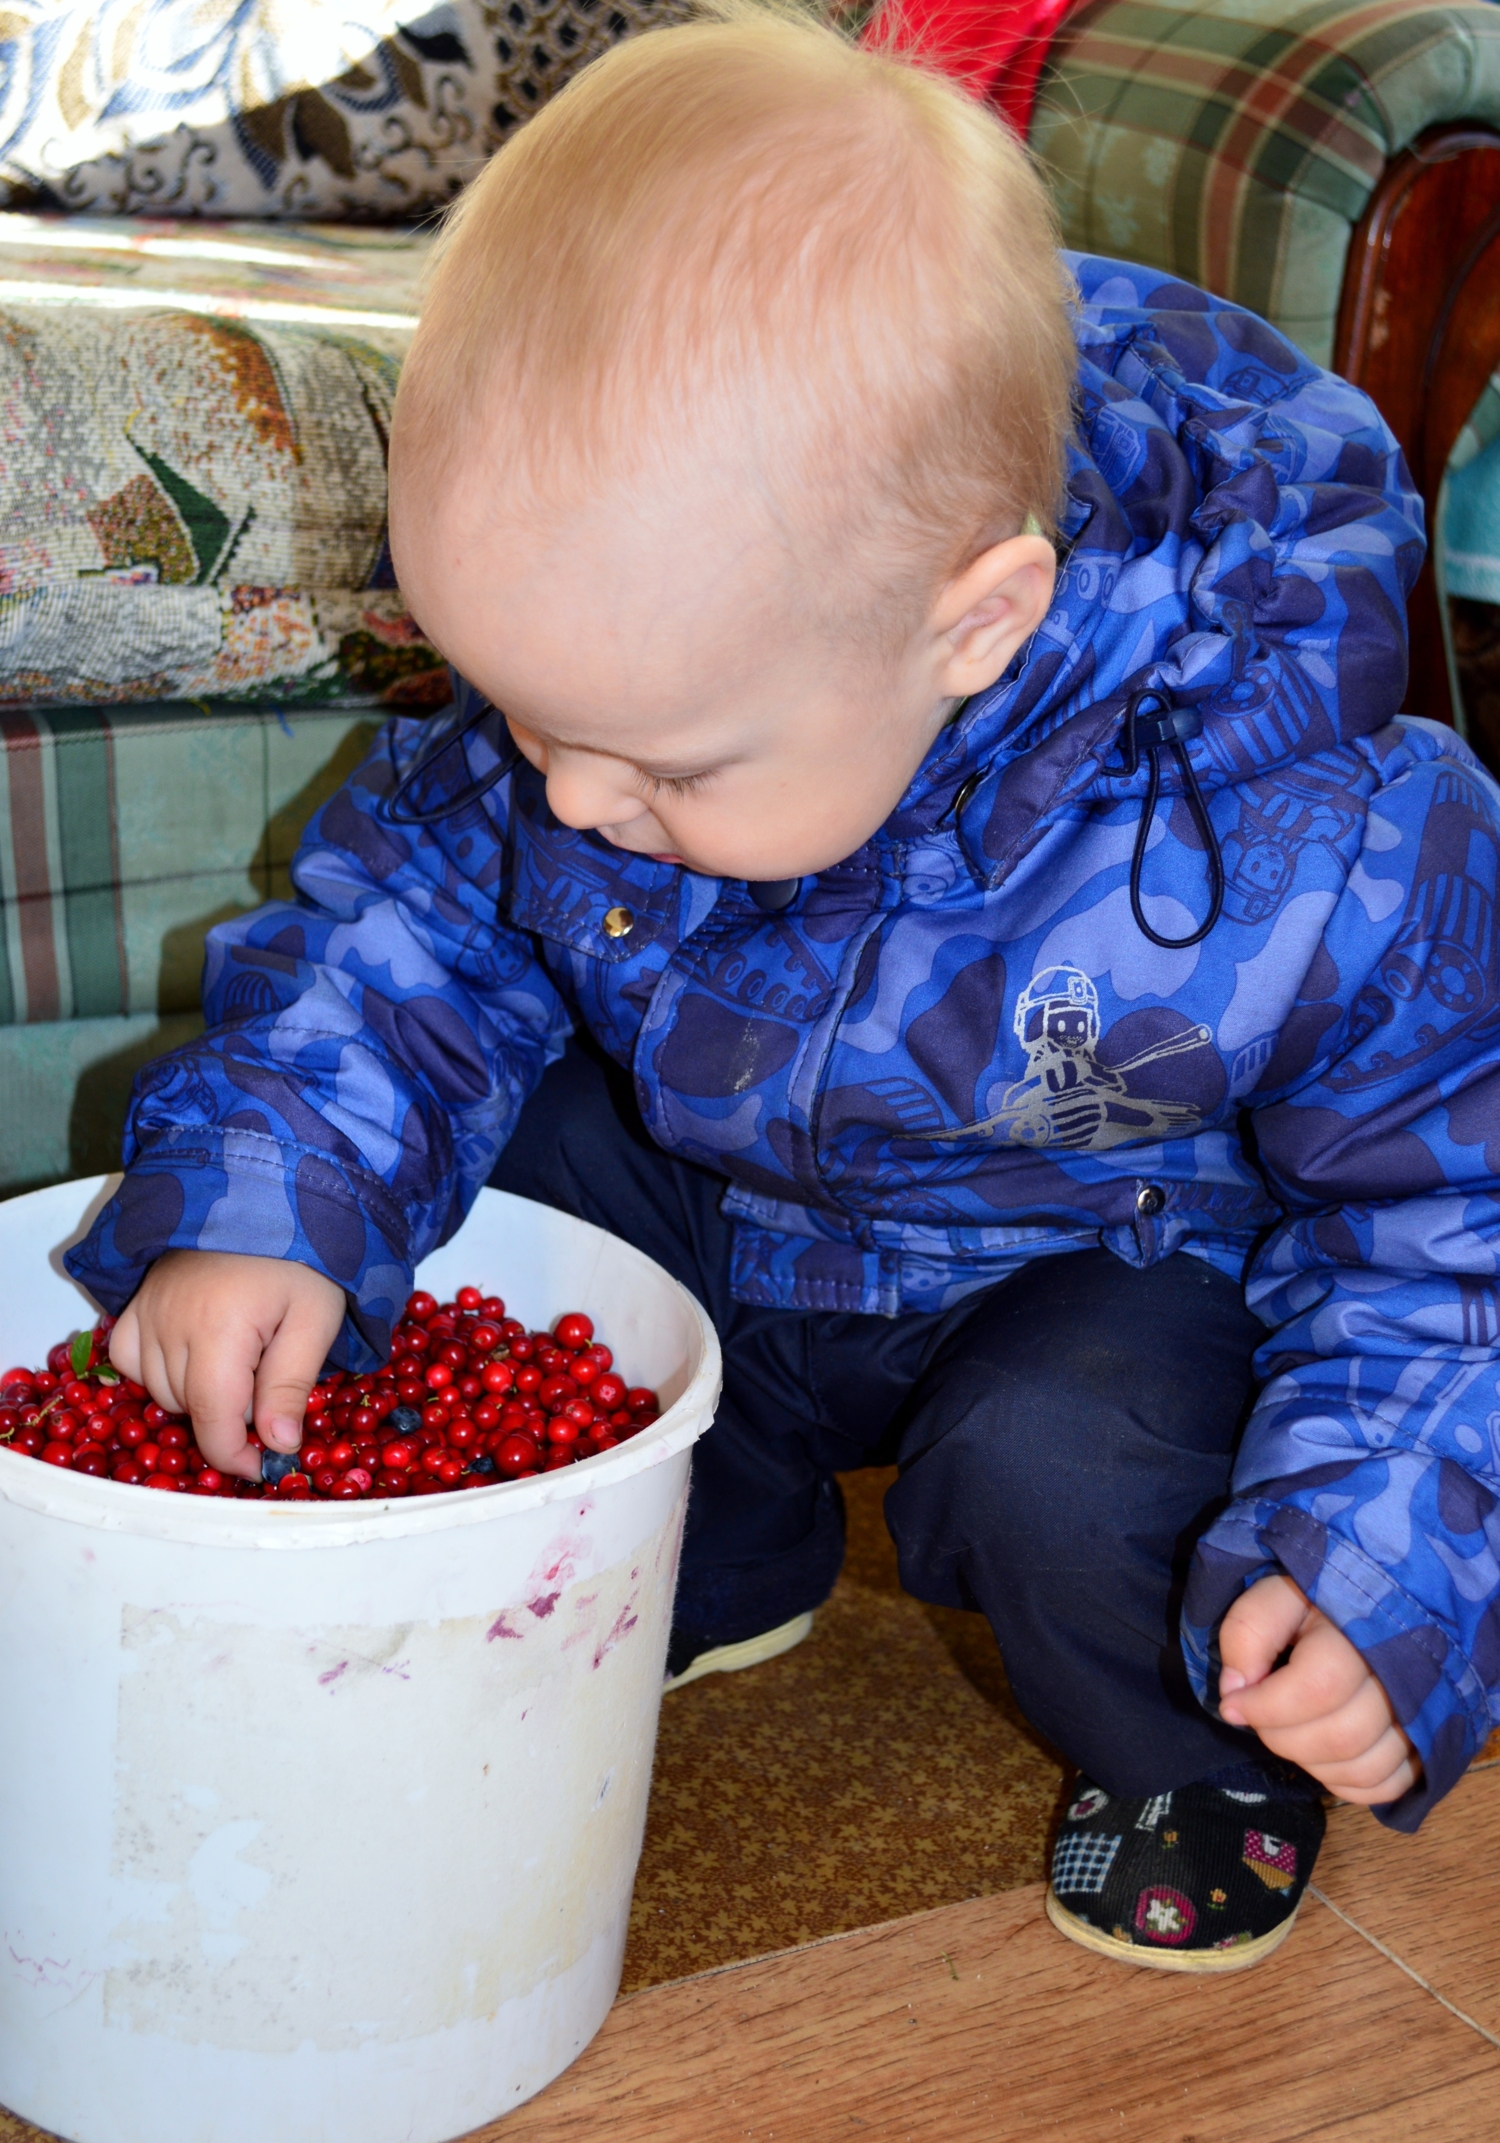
(343,1835)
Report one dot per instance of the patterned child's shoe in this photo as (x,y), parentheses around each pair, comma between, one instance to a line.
(1205,1879)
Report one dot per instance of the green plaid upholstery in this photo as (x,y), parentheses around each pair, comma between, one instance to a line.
(1237,143)
(125,831)
(66,1086)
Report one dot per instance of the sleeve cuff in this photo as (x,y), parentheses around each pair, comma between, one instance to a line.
(1434,1691)
(243,1192)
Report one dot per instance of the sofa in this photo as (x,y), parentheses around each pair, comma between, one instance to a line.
(210,265)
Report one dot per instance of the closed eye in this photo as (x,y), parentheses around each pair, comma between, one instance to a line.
(673,784)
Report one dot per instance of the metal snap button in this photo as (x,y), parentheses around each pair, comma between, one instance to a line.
(618,923)
(1149,1200)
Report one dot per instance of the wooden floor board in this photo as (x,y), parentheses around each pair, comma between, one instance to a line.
(978,2024)
(1432,1900)
(1462,2112)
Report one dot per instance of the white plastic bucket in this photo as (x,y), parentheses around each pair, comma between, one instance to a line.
(319,1825)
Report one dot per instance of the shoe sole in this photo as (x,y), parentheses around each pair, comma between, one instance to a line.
(1163,1960)
(750,1652)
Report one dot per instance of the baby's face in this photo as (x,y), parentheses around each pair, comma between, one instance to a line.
(654,662)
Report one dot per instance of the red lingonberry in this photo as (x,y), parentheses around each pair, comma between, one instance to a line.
(546,1404)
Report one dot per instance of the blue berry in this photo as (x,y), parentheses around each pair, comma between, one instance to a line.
(483,1465)
(276,1465)
(402,1421)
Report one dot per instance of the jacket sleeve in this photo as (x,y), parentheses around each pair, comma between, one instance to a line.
(1370,1469)
(370,1045)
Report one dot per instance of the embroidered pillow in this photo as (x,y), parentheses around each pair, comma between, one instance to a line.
(192,462)
(305,108)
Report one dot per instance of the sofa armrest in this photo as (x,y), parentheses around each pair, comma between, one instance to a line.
(1238,143)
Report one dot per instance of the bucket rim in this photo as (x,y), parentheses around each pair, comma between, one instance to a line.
(208,1521)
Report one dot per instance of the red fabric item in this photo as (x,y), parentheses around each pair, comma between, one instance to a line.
(996,48)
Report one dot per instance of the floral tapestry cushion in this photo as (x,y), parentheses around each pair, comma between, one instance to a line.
(304,108)
(193,425)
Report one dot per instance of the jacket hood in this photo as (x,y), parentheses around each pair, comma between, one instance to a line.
(1240,537)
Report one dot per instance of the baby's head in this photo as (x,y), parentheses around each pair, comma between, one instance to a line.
(723,448)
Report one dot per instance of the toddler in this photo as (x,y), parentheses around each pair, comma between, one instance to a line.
(923,846)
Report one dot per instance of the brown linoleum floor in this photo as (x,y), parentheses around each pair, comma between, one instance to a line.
(1377,2020)
(879,1769)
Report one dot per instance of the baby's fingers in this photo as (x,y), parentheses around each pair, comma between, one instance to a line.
(125,1345)
(220,1384)
(1322,1676)
(1382,1774)
(1256,1631)
(147,1362)
(290,1366)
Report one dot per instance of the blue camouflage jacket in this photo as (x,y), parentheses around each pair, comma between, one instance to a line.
(967,1045)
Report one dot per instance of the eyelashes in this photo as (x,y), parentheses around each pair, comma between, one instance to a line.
(674,784)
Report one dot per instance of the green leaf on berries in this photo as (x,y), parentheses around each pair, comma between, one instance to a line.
(106,1375)
(81,1353)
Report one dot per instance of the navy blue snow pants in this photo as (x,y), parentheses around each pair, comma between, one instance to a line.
(1063,1439)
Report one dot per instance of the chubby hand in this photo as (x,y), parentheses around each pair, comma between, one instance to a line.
(228,1340)
(1324,1709)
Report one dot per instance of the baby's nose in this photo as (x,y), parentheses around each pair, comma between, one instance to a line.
(588,792)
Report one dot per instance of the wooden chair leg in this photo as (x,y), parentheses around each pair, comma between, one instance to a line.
(1419,330)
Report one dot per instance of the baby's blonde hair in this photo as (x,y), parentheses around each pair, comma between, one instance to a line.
(750,229)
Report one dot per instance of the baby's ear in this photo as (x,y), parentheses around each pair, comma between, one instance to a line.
(989,610)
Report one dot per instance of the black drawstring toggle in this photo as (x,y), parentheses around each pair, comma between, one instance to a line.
(400,813)
(1153,723)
